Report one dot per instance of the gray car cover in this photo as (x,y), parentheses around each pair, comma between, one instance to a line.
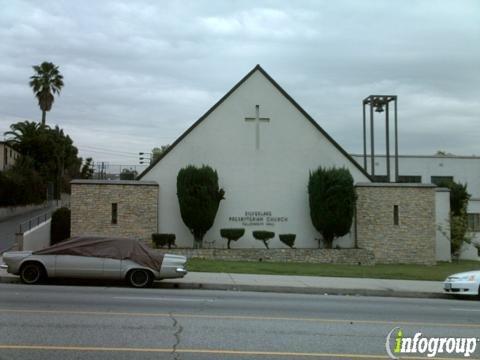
(107,247)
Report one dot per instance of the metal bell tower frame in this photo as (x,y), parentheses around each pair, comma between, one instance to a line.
(379,104)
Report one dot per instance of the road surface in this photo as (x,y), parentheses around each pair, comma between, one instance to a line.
(93,322)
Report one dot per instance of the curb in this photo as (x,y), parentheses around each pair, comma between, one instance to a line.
(12,279)
(305,290)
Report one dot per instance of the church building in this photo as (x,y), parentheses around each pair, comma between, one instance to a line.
(263,145)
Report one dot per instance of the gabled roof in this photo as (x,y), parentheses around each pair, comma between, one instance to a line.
(284,93)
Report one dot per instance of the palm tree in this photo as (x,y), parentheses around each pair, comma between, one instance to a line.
(22,132)
(46,82)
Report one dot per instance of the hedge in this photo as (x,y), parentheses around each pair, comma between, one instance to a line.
(264,236)
(288,239)
(232,234)
(160,240)
(60,226)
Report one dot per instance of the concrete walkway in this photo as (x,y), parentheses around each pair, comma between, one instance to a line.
(297,284)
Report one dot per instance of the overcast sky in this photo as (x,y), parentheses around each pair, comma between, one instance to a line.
(139,73)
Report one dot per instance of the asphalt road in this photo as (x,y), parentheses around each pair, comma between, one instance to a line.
(97,322)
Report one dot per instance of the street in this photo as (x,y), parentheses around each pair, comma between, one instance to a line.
(92,322)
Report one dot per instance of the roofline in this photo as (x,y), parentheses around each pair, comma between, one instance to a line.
(284,93)
(471,157)
(112,182)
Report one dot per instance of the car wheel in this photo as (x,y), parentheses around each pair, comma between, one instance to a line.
(31,273)
(140,278)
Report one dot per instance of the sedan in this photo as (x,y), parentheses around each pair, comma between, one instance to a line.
(96,258)
(466,283)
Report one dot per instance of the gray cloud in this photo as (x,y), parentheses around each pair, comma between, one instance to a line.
(137,74)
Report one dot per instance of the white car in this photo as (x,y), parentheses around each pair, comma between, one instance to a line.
(466,283)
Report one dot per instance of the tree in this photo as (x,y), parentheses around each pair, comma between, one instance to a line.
(21,184)
(46,82)
(263,236)
(332,202)
(22,132)
(232,234)
(199,197)
(86,171)
(458,214)
(128,174)
(52,152)
(157,152)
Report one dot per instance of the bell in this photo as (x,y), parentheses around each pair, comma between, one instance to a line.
(379,108)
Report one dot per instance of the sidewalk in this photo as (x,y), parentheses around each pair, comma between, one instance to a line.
(296,284)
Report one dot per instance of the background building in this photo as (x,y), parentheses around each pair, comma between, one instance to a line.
(8,156)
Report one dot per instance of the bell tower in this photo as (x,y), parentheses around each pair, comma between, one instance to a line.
(380,104)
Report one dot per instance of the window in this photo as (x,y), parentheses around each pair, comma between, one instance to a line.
(437,180)
(380,178)
(114,213)
(395,215)
(409,179)
(474,222)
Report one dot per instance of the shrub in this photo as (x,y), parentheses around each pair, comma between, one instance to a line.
(264,236)
(60,226)
(199,198)
(160,240)
(458,214)
(332,202)
(288,239)
(231,235)
(21,185)
(127,174)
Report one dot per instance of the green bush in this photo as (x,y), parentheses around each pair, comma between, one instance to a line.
(288,239)
(160,240)
(458,214)
(60,226)
(264,236)
(199,197)
(231,235)
(332,202)
(21,185)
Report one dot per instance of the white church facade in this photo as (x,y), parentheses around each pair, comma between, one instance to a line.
(263,146)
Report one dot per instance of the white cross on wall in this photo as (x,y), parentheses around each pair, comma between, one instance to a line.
(257,120)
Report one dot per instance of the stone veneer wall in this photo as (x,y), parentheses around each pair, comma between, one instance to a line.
(413,239)
(326,256)
(91,206)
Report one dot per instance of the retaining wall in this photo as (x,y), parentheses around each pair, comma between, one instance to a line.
(317,256)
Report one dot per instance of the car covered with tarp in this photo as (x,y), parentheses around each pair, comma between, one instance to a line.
(96,258)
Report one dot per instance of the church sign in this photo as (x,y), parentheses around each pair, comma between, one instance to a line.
(258,218)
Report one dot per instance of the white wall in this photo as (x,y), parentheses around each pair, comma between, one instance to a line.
(464,169)
(469,251)
(272,178)
(37,238)
(442,223)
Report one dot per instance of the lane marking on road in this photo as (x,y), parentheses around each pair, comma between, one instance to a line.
(238,317)
(465,309)
(206,351)
(161,298)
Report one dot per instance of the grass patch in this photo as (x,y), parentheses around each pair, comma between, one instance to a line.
(406,272)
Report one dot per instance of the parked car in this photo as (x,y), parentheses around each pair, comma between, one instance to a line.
(96,258)
(466,283)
